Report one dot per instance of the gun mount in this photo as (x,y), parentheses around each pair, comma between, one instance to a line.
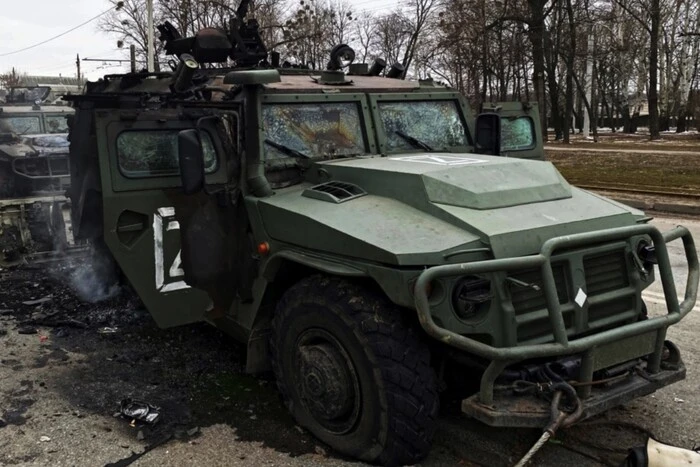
(241,42)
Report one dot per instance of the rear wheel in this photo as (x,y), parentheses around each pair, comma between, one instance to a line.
(353,372)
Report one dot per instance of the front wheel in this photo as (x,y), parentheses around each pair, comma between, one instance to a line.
(353,372)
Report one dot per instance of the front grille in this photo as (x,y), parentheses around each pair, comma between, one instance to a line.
(605,272)
(615,307)
(527,299)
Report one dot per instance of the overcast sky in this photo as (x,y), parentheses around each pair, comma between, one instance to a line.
(26,22)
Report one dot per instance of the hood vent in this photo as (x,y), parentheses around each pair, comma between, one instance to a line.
(334,192)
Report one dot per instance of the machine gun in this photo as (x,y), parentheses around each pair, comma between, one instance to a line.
(241,43)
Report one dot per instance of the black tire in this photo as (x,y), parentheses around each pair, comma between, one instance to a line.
(353,372)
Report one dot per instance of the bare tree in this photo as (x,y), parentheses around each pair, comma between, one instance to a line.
(11,78)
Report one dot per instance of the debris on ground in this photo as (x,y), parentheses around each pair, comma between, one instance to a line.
(38,301)
(660,454)
(140,411)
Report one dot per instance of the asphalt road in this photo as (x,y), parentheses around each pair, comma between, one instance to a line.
(58,394)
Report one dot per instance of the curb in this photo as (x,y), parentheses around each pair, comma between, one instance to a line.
(676,208)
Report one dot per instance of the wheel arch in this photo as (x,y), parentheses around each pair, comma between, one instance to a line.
(279,273)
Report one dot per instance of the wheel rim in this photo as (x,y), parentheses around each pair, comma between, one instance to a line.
(327,381)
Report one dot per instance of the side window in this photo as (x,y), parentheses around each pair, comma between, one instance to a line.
(517,134)
(56,123)
(154,153)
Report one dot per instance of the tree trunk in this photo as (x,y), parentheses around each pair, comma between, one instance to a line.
(570,61)
(536,34)
(588,79)
(653,95)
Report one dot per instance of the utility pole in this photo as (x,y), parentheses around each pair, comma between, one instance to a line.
(132,54)
(77,64)
(151,47)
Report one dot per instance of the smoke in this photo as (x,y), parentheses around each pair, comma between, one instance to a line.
(95,278)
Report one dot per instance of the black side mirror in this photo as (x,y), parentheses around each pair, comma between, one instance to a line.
(191,158)
(488,134)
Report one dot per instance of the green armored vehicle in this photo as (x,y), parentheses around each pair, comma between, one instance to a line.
(34,175)
(368,237)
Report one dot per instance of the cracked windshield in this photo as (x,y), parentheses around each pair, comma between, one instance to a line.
(428,125)
(20,125)
(313,130)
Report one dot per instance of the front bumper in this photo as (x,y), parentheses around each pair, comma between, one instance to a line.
(514,410)
(599,350)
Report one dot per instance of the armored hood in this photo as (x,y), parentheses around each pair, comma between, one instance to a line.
(420,209)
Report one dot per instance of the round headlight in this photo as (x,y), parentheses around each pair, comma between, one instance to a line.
(471,296)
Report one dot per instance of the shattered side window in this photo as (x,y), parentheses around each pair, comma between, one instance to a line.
(154,153)
(56,123)
(21,125)
(517,134)
(317,129)
(438,124)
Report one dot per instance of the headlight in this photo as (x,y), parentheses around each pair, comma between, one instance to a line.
(645,257)
(471,296)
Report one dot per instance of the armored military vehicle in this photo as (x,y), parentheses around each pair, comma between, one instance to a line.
(367,237)
(34,215)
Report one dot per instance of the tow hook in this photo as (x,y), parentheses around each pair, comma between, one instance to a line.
(565,410)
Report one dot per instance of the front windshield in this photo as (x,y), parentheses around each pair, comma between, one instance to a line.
(29,94)
(316,130)
(20,125)
(437,124)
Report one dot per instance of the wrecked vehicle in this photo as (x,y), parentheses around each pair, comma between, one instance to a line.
(367,238)
(34,175)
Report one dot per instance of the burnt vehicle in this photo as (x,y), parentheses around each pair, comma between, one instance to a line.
(34,175)
(367,237)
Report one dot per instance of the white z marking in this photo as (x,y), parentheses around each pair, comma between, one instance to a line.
(175,272)
(439,159)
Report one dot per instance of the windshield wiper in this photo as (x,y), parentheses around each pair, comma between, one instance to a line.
(416,143)
(286,150)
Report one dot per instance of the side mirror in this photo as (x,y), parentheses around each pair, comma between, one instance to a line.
(191,158)
(488,134)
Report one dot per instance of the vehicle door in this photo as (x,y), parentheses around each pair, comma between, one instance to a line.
(141,189)
(521,132)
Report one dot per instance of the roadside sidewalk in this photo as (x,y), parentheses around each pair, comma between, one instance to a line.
(657,203)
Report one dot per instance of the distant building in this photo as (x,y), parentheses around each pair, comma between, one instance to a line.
(30,80)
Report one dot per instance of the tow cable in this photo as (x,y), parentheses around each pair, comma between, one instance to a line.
(565,409)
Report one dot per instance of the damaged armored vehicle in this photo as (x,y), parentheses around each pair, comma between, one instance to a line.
(370,240)
(34,175)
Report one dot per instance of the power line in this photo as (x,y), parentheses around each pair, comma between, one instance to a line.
(64,64)
(119,5)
